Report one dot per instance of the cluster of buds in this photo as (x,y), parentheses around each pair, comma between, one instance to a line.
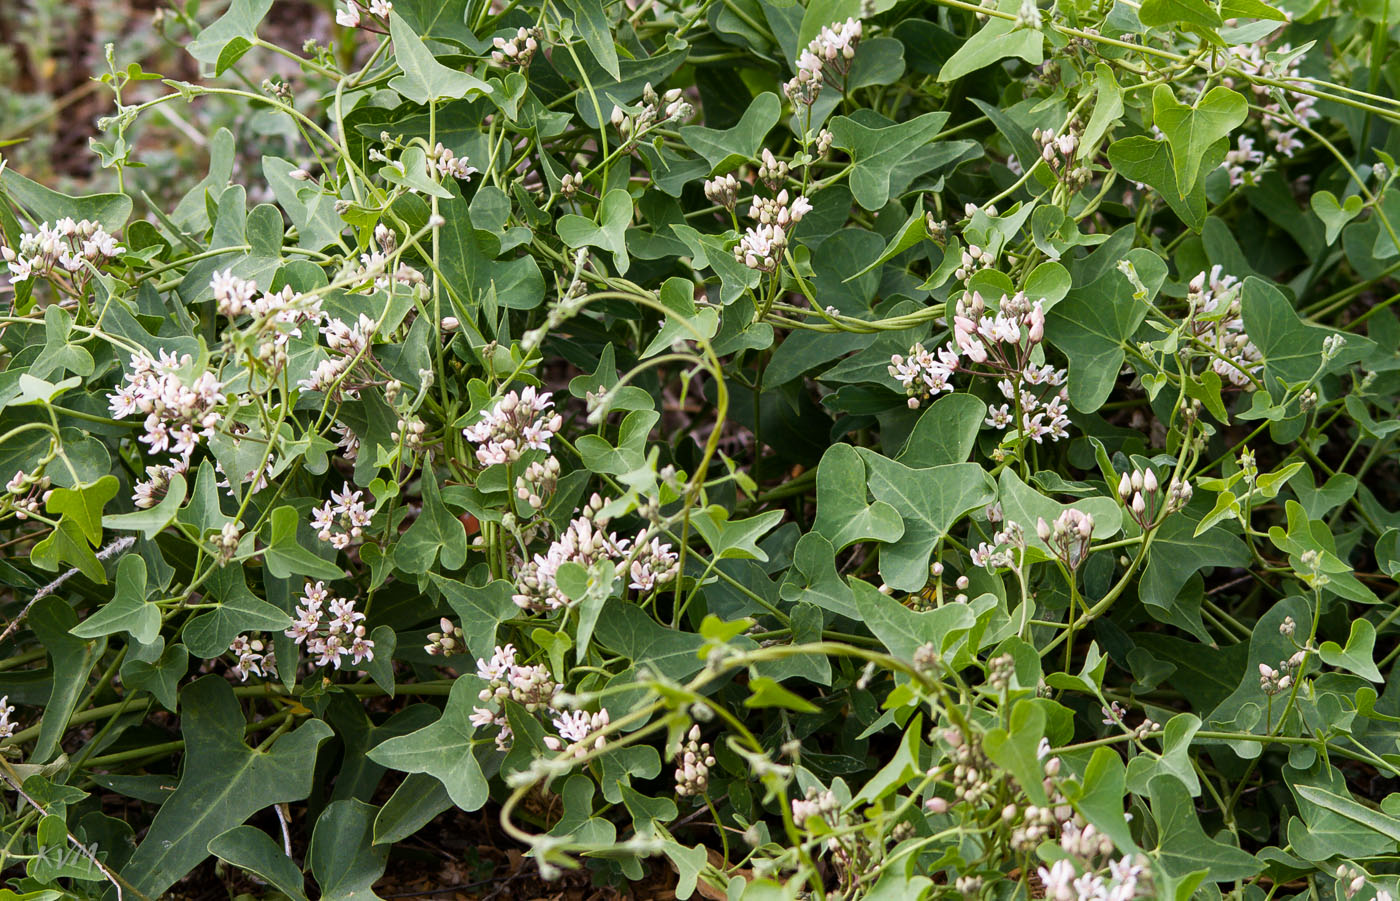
(180,408)
(818,803)
(332,639)
(538,482)
(1000,553)
(971,768)
(374,273)
(655,565)
(411,431)
(352,16)
(1000,670)
(723,190)
(519,422)
(580,729)
(655,109)
(226,544)
(62,252)
(351,344)
(1058,150)
(927,659)
(251,659)
(1139,492)
(693,762)
(827,58)
(518,49)
(1114,715)
(823,142)
(1273,680)
(276,316)
(449,164)
(585,542)
(1068,538)
(7,726)
(569,185)
(763,245)
(529,686)
(27,493)
(342,519)
(1351,880)
(772,171)
(973,259)
(447,642)
(1216,320)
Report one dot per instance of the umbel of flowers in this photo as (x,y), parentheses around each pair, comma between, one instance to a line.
(996,345)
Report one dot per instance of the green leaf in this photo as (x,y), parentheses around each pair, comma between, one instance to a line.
(843,514)
(876,152)
(902,766)
(436,533)
(1099,795)
(1092,324)
(945,433)
(470,268)
(597,32)
(150,522)
(284,554)
(111,210)
(929,501)
(1192,130)
(998,39)
(1014,750)
(157,669)
(239,610)
(1183,846)
(627,630)
(735,539)
(239,21)
(253,850)
(224,783)
(424,79)
(1144,160)
(1344,805)
(128,610)
(903,631)
(1197,13)
(70,660)
(67,544)
(412,806)
(342,857)
(729,148)
(1292,348)
(765,692)
(1108,109)
(913,231)
(444,749)
(615,213)
(1359,654)
(813,577)
(1177,552)
(684,323)
(480,611)
(1174,761)
(1335,215)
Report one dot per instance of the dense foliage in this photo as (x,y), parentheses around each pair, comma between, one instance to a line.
(889,449)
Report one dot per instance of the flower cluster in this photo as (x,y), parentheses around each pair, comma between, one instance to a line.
(585,542)
(277,316)
(351,343)
(1001,344)
(1068,538)
(1273,680)
(516,424)
(1278,63)
(538,482)
(762,246)
(180,410)
(330,640)
(251,658)
(532,687)
(7,727)
(448,164)
(693,763)
(342,519)
(27,493)
(820,804)
(446,642)
(1101,879)
(827,59)
(518,49)
(655,109)
(1001,552)
(656,565)
(66,249)
(1215,319)
(351,16)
